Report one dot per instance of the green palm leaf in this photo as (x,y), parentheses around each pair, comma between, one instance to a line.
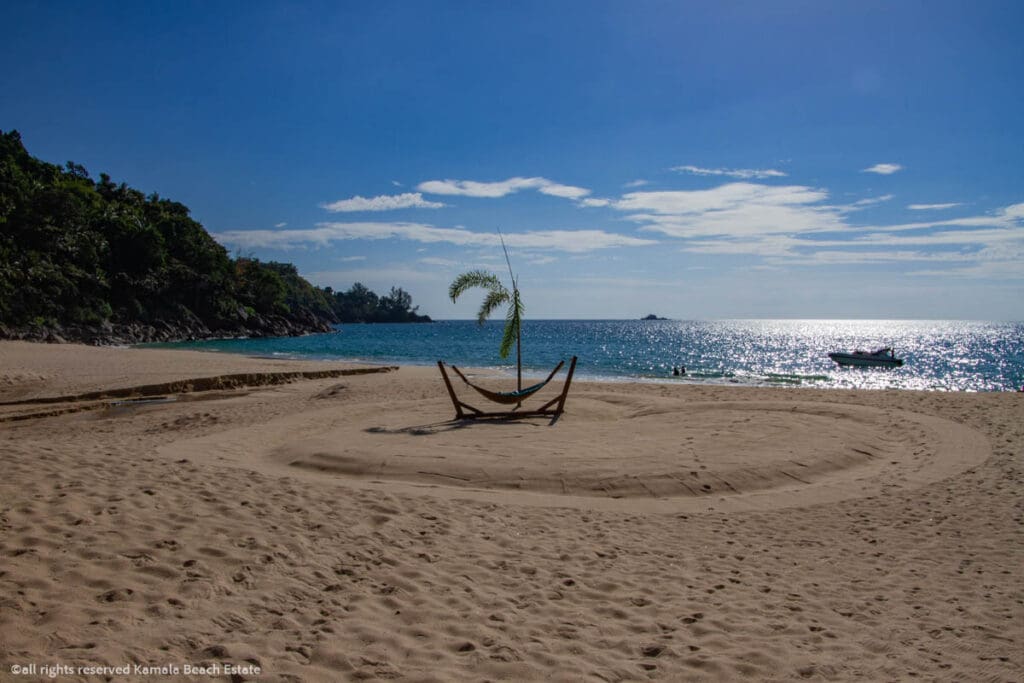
(497,294)
(513,321)
(474,278)
(493,299)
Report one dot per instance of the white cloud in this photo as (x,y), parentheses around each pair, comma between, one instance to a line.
(1002,270)
(348,259)
(436,261)
(873,200)
(565,191)
(576,241)
(637,183)
(1007,217)
(883,169)
(787,222)
(785,226)
(407,200)
(730,195)
(733,209)
(280,225)
(932,207)
(1013,212)
(472,188)
(830,258)
(594,201)
(540,260)
(770,245)
(946,237)
(742,173)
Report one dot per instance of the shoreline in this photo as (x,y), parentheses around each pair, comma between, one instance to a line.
(344,528)
(777,380)
(964,356)
(13,352)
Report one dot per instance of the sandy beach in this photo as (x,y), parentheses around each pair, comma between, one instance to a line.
(251,519)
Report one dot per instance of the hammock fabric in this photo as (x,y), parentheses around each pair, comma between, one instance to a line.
(509,397)
(552,408)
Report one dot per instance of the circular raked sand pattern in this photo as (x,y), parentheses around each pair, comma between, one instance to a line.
(612,450)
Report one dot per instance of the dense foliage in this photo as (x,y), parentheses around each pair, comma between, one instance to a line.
(360,305)
(82,254)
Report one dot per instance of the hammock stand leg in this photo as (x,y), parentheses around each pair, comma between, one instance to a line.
(459,405)
(565,391)
(558,401)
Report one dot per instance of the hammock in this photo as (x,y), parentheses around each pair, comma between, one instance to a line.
(509,397)
(554,407)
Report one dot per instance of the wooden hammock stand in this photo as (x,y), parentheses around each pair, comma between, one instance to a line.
(553,408)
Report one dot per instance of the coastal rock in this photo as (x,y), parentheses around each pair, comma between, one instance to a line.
(185,327)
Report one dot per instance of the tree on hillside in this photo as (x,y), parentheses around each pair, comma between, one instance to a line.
(79,252)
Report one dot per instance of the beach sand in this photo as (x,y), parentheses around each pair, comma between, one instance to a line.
(339,527)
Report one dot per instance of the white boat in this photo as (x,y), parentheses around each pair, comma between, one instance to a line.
(879,358)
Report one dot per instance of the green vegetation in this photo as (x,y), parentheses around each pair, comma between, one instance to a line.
(497,294)
(360,305)
(98,261)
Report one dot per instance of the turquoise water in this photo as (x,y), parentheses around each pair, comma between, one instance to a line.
(938,355)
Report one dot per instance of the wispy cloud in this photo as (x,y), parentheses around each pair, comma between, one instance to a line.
(280,225)
(541,260)
(990,245)
(437,261)
(574,241)
(933,207)
(594,201)
(565,191)
(883,169)
(764,246)
(870,201)
(723,197)
(797,225)
(407,200)
(1009,217)
(637,183)
(835,257)
(473,188)
(741,173)
(1002,270)
(736,209)
(349,259)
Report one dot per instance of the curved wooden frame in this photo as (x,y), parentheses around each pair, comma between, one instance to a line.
(553,408)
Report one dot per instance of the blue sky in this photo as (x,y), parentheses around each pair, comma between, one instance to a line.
(696,160)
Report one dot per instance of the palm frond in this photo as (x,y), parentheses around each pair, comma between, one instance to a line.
(513,322)
(474,278)
(493,299)
(497,294)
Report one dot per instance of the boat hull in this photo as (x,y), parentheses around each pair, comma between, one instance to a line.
(865,361)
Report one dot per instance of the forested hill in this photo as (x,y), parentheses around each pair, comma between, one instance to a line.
(99,262)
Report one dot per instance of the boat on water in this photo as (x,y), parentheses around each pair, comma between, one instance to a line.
(879,358)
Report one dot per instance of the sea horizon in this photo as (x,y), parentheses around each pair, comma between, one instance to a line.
(938,354)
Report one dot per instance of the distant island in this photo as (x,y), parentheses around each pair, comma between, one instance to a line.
(652,317)
(101,263)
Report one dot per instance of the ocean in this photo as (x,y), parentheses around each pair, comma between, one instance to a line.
(938,355)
